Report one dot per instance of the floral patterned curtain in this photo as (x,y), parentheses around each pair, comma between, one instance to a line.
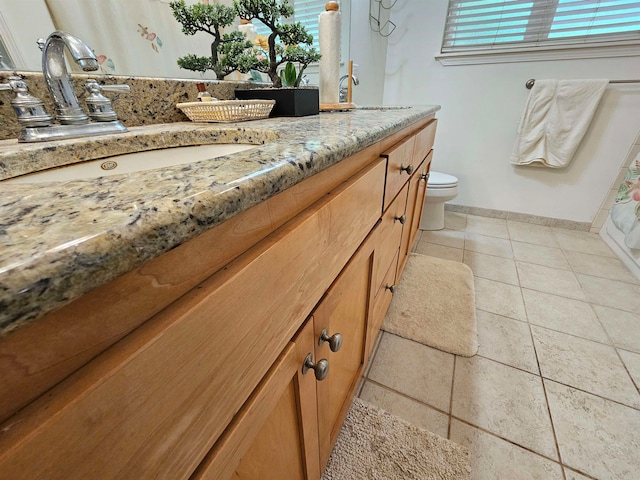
(131,37)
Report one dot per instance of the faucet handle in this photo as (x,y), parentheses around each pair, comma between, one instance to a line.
(29,109)
(100,108)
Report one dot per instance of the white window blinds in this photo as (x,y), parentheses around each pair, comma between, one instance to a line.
(503,24)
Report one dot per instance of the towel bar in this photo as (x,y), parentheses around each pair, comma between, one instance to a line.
(532,81)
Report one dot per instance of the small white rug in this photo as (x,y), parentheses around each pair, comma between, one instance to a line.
(375,445)
(434,304)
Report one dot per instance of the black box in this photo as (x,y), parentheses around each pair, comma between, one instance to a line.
(290,102)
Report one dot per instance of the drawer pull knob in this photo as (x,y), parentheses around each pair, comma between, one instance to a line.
(408,169)
(401,219)
(425,177)
(335,340)
(321,369)
(391,288)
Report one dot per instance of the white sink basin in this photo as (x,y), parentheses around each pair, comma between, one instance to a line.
(132,162)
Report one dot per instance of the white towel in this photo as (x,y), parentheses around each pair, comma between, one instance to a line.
(556,117)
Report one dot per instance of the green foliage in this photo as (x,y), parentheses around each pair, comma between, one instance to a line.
(209,19)
(295,41)
(202,18)
(288,75)
(195,63)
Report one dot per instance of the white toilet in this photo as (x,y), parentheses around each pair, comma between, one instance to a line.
(440,188)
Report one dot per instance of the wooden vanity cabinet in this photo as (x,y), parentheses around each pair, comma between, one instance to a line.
(212,387)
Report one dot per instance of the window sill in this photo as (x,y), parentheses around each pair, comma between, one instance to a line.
(539,54)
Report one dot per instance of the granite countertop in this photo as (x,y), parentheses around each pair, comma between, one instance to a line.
(61,239)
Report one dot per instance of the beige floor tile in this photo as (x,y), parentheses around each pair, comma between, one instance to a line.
(412,411)
(528,233)
(563,314)
(598,266)
(611,293)
(416,370)
(447,238)
(539,254)
(623,327)
(583,364)
(549,280)
(440,251)
(596,436)
(493,268)
(506,340)
(584,242)
(499,298)
(455,220)
(632,362)
(504,401)
(494,458)
(492,227)
(573,475)
(489,245)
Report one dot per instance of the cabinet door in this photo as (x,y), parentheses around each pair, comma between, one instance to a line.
(342,311)
(274,436)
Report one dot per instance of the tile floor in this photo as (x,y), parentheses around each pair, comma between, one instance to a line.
(553,391)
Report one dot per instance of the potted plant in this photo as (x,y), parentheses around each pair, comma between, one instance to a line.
(287,44)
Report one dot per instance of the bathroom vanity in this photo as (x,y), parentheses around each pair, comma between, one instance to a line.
(209,320)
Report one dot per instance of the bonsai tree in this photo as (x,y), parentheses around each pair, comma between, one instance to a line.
(295,46)
(227,50)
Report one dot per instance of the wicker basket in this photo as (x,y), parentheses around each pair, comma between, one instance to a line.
(227,110)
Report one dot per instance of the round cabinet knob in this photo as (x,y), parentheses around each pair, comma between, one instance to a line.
(335,340)
(408,169)
(425,177)
(401,219)
(391,288)
(321,368)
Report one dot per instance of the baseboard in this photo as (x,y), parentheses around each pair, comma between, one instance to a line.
(519,217)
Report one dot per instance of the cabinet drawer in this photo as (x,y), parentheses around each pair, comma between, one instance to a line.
(424,141)
(400,166)
(162,396)
(389,237)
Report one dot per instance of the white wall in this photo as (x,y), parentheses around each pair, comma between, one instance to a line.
(368,50)
(481,108)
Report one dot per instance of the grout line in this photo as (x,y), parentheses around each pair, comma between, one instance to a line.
(501,315)
(597,395)
(453,379)
(544,389)
(493,434)
(386,387)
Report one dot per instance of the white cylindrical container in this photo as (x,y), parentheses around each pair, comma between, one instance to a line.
(329,38)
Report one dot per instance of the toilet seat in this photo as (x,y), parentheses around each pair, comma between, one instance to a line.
(441,180)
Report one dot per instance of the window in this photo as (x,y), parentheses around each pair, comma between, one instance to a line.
(500,27)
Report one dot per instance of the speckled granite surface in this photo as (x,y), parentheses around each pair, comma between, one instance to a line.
(59,240)
(150,101)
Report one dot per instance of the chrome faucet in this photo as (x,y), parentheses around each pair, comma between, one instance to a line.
(74,122)
(54,68)
(343,90)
